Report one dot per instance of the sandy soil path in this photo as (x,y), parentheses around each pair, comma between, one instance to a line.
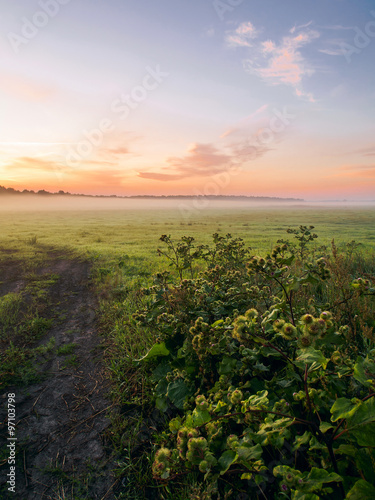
(61,420)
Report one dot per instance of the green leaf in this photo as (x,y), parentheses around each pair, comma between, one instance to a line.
(314,444)
(161,403)
(310,279)
(226,460)
(177,392)
(155,351)
(282,470)
(200,417)
(298,495)
(362,490)
(364,414)
(364,460)
(343,408)
(161,371)
(293,286)
(219,322)
(360,416)
(165,474)
(248,453)
(247,475)
(317,477)
(325,426)
(311,356)
(346,449)
(360,374)
(365,435)
(331,338)
(221,407)
(227,365)
(260,398)
(261,367)
(301,440)
(288,261)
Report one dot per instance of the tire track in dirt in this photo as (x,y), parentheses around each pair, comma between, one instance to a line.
(61,420)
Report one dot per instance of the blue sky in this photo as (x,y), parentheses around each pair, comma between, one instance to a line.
(276,96)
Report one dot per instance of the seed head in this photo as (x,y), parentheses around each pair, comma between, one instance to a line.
(307,319)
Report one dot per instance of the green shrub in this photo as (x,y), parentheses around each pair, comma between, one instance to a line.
(271,386)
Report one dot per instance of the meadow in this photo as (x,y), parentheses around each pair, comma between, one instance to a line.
(113,228)
(120,238)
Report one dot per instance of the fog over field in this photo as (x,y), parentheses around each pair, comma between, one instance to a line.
(31,203)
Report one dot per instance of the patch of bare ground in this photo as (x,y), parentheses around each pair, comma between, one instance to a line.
(61,420)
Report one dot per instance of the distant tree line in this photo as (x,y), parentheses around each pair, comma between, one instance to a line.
(43,192)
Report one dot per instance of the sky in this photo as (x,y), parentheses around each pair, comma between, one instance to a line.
(161,97)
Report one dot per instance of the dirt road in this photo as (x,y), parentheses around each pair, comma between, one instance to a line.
(61,420)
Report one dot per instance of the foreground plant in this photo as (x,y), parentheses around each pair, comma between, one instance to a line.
(272,396)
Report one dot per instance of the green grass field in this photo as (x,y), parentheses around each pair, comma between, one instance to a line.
(135,231)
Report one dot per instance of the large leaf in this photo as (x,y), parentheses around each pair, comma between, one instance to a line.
(310,279)
(362,490)
(227,365)
(325,426)
(360,416)
(312,357)
(248,453)
(301,440)
(360,368)
(177,392)
(161,403)
(364,414)
(365,462)
(260,398)
(226,460)
(320,476)
(200,417)
(365,434)
(343,408)
(155,351)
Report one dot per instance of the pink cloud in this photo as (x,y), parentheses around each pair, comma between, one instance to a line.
(277,63)
(242,36)
(206,160)
(159,177)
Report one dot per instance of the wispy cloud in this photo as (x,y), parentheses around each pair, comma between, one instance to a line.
(200,160)
(301,26)
(334,46)
(357,170)
(36,164)
(242,36)
(160,177)
(207,160)
(284,63)
(277,63)
(117,151)
(243,124)
(370,151)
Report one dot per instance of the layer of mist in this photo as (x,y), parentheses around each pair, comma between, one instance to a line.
(30,203)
